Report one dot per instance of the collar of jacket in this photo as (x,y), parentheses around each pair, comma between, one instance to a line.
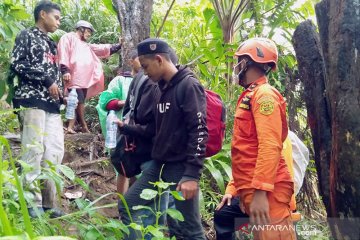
(37,31)
(257,83)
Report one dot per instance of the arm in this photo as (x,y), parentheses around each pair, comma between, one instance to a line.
(115,48)
(266,109)
(22,63)
(139,131)
(230,188)
(65,73)
(194,108)
(144,110)
(115,104)
(64,50)
(112,94)
(230,192)
(101,50)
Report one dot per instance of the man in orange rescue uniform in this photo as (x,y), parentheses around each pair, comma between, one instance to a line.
(260,174)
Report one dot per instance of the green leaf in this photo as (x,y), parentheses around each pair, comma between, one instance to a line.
(55,36)
(204,70)
(175,214)
(82,184)
(2,88)
(226,167)
(92,234)
(177,195)
(216,174)
(54,238)
(24,236)
(163,185)
(148,194)
(19,13)
(155,231)
(135,226)
(117,225)
(139,207)
(108,4)
(124,228)
(68,172)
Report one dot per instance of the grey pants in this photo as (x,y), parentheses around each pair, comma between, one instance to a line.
(172,172)
(42,139)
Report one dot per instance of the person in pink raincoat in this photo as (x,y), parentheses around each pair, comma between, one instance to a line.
(81,66)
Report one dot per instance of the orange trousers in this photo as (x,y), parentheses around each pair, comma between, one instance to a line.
(281,226)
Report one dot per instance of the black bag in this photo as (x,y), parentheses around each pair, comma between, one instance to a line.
(128,156)
(123,158)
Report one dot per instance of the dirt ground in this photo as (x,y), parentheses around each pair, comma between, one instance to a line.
(85,155)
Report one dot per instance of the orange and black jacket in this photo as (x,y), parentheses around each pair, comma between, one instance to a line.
(260,128)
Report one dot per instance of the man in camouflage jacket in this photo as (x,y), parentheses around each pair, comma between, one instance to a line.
(35,62)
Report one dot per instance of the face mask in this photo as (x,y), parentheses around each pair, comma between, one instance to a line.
(239,78)
(235,77)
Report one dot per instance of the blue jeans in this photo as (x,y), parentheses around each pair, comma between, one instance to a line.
(191,228)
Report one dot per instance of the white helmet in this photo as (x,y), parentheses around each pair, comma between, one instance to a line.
(85,24)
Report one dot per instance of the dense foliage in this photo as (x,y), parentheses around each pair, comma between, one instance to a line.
(195,30)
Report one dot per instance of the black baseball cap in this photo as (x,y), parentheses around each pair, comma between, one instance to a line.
(152,46)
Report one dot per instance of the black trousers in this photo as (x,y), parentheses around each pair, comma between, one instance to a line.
(226,218)
(191,228)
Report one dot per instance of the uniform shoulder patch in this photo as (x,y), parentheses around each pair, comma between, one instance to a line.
(267,104)
(245,103)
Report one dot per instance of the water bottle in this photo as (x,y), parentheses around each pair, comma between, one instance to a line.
(111,130)
(72,102)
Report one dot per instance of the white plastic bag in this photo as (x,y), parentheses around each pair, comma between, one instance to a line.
(301,159)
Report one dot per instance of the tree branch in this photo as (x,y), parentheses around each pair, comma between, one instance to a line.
(164,20)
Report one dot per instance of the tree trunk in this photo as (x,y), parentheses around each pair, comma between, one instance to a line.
(339,24)
(312,73)
(134,17)
(332,75)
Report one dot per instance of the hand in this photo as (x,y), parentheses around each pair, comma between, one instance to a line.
(121,41)
(121,103)
(259,208)
(54,91)
(242,206)
(226,199)
(119,123)
(67,77)
(188,189)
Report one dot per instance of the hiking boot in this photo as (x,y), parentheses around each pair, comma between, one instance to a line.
(33,212)
(54,212)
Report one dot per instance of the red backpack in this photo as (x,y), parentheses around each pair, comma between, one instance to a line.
(215,119)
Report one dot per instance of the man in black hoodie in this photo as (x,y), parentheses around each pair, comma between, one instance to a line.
(181,135)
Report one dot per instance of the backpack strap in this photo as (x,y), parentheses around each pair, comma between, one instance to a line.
(136,91)
(180,91)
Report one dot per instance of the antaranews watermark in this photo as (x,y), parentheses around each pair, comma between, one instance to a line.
(306,228)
